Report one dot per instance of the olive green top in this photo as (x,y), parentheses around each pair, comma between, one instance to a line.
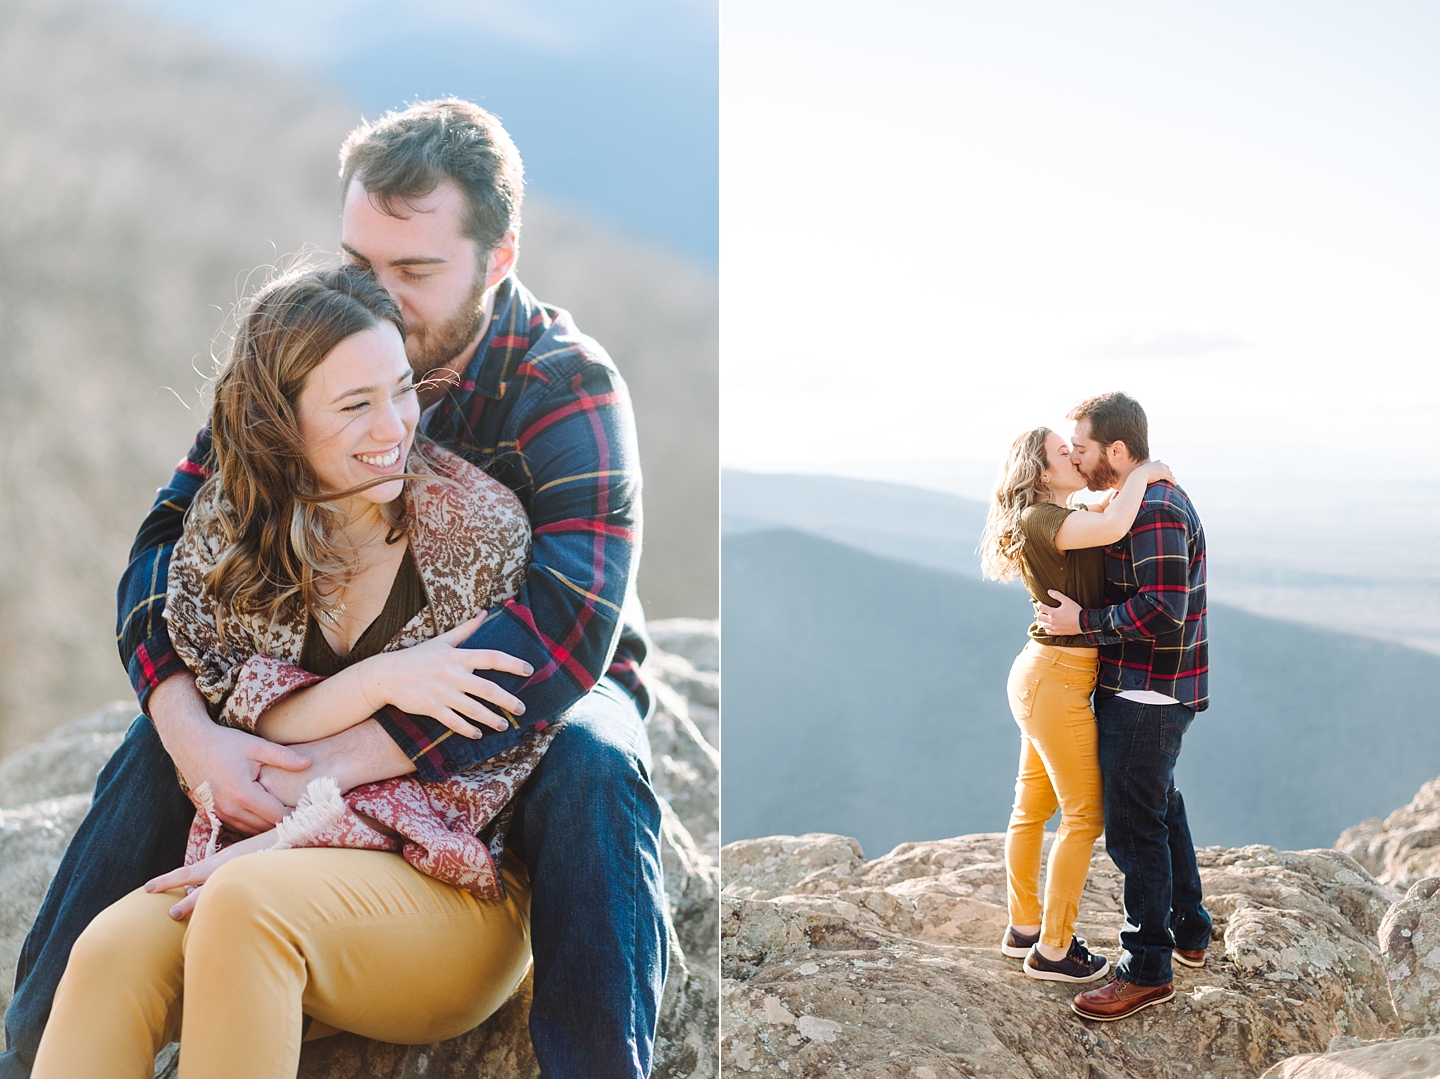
(406,600)
(1079,574)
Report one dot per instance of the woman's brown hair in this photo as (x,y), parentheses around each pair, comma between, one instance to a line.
(282,528)
(1021,484)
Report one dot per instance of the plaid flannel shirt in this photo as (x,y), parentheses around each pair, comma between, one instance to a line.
(1153,635)
(542,408)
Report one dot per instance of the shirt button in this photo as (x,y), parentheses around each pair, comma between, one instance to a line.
(447,764)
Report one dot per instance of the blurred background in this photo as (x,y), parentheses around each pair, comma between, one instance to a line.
(154,153)
(965,218)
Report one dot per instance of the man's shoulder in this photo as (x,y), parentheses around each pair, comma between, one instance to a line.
(1169,500)
(557,344)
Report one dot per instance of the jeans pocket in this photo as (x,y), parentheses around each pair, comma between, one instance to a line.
(1023,689)
(1172,729)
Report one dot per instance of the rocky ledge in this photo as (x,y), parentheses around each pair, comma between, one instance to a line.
(1318,969)
(45,791)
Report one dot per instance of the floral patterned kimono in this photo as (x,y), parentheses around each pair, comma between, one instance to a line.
(470,540)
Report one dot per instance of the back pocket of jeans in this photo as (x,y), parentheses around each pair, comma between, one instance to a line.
(1022,692)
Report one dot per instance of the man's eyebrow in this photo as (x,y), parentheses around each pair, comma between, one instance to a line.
(416,260)
(362,390)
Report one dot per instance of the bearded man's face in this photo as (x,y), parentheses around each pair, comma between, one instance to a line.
(432,269)
(1092,458)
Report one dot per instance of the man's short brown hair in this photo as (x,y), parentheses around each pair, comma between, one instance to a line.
(1116,417)
(407,154)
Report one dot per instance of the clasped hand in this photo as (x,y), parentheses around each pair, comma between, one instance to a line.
(438,679)
(1061,621)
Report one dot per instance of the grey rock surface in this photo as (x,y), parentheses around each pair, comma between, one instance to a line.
(1403,1058)
(1410,946)
(891,967)
(1405,846)
(45,792)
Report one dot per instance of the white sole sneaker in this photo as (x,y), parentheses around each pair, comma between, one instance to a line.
(1057,976)
(1014,951)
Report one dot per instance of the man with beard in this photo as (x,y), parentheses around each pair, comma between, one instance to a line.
(1153,679)
(431,205)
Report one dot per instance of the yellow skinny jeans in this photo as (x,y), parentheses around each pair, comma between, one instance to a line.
(357,940)
(1049,694)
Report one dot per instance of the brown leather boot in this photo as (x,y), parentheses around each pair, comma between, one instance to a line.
(1119,999)
(1190,959)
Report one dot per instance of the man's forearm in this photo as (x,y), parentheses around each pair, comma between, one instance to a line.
(176,708)
(358,755)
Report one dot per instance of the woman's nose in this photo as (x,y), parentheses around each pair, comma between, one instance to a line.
(388,425)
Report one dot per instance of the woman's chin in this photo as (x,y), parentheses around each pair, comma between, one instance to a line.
(383,493)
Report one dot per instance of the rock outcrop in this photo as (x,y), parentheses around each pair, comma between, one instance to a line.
(45,791)
(893,965)
(1318,967)
(1405,846)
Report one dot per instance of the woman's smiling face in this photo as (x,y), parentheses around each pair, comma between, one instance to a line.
(1062,473)
(358,412)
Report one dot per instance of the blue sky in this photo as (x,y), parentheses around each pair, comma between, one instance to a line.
(614,105)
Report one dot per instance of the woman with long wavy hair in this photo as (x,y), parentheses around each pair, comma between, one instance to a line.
(1033,531)
(329,567)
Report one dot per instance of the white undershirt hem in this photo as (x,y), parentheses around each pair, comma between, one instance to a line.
(1146,696)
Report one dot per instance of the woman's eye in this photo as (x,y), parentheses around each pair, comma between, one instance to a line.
(356,407)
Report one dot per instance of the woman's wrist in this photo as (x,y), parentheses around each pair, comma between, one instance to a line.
(370,680)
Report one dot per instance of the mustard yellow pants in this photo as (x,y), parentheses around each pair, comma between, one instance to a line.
(1049,694)
(356,940)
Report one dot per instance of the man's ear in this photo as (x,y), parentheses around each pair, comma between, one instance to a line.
(1118,451)
(501,259)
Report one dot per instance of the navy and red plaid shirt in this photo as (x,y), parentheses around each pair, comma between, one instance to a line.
(1153,635)
(542,408)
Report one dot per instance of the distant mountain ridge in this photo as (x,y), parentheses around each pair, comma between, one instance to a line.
(929,528)
(866,695)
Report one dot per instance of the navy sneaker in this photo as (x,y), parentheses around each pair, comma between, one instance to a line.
(1080,964)
(1016,944)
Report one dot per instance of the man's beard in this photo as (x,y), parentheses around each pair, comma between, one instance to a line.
(1102,476)
(435,346)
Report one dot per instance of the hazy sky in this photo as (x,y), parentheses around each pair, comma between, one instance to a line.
(613,105)
(943,223)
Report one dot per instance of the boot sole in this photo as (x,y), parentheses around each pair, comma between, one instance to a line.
(1056,976)
(1121,1015)
(1187,962)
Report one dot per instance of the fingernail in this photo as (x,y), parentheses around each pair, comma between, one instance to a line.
(149,885)
(175,912)
(519,709)
(529,670)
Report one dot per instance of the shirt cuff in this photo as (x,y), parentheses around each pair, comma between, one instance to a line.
(438,752)
(153,661)
(1090,635)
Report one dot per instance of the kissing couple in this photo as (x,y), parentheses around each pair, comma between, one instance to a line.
(1113,674)
(327,820)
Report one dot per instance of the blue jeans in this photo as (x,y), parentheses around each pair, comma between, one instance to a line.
(1148,836)
(587,824)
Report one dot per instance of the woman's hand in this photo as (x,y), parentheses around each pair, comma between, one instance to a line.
(190,877)
(1155,471)
(437,679)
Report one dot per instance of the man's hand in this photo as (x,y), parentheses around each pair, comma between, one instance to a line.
(1061,621)
(360,754)
(229,760)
